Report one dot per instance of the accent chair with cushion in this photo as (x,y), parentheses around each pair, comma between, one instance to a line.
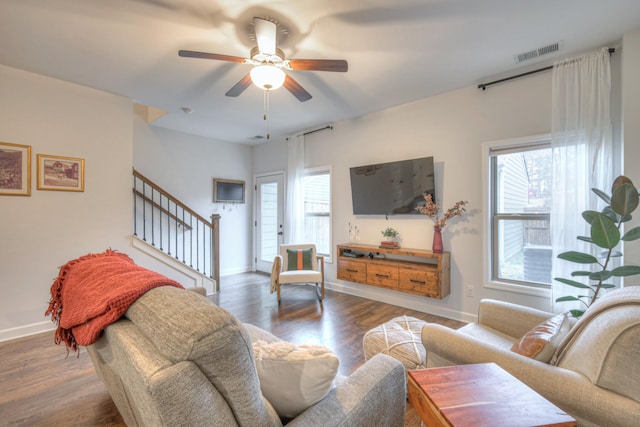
(298,264)
(175,358)
(590,368)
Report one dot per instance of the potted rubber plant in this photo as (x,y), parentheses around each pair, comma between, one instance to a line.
(605,236)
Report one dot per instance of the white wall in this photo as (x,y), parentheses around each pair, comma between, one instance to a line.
(185,165)
(38,234)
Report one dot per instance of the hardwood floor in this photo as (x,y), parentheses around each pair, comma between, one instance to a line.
(40,386)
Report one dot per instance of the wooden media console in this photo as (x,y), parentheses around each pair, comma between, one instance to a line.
(414,271)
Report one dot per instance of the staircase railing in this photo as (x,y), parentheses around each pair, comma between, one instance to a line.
(170,226)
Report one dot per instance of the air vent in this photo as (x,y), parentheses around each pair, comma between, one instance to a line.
(554,47)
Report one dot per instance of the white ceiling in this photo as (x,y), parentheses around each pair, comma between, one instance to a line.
(398,51)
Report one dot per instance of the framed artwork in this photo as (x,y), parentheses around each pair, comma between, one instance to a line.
(15,169)
(60,173)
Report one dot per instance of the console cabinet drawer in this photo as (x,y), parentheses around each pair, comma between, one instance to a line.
(352,271)
(382,275)
(418,282)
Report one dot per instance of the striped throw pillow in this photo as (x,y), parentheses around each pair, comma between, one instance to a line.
(299,259)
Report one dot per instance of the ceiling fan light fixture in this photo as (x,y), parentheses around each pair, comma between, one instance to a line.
(267,77)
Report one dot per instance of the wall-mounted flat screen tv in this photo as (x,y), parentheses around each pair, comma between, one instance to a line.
(228,190)
(392,188)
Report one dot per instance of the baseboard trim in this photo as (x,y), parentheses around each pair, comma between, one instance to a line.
(26,330)
(411,302)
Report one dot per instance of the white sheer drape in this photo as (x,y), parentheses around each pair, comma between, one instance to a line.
(581,139)
(294,212)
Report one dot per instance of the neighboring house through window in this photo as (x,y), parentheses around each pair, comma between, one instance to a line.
(518,234)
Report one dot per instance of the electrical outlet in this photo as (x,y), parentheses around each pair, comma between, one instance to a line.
(468,290)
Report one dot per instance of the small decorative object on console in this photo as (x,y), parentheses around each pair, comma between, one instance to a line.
(431,209)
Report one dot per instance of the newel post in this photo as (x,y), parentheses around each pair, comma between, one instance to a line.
(215,249)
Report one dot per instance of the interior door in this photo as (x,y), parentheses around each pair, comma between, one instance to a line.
(269,219)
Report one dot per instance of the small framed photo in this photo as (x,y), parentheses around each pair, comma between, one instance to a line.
(15,169)
(60,173)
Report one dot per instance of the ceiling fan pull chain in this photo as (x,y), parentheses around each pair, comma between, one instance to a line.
(266,110)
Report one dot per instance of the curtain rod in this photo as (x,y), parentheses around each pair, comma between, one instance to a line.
(483,86)
(318,130)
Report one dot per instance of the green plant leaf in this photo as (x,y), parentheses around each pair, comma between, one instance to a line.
(610,213)
(572,283)
(567,298)
(632,234)
(576,313)
(600,275)
(580,273)
(607,286)
(604,196)
(624,199)
(604,232)
(626,270)
(585,239)
(579,257)
(613,254)
(589,216)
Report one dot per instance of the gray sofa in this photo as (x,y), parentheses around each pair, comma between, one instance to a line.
(177,359)
(594,374)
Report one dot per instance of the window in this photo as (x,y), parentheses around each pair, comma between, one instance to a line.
(317,209)
(519,206)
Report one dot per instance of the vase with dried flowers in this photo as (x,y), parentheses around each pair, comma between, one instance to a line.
(431,209)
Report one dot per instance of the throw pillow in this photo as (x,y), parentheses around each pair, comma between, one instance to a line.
(540,342)
(294,377)
(299,259)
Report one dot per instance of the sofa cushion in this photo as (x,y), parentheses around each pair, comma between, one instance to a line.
(213,339)
(294,377)
(541,342)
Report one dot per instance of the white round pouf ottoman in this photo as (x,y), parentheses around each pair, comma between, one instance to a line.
(398,338)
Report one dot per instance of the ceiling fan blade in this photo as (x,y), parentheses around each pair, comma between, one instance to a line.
(239,87)
(295,88)
(265,36)
(205,55)
(338,65)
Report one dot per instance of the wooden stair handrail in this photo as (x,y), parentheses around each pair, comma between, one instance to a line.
(170,197)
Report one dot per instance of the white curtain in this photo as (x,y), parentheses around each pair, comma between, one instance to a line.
(581,139)
(294,212)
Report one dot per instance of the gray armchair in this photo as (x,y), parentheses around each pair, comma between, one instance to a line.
(594,374)
(176,358)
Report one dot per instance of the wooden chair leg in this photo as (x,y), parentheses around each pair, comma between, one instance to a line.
(320,290)
(278,288)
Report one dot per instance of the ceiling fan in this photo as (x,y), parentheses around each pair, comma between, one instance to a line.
(269,63)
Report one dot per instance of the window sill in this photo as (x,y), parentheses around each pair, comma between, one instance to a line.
(519,289)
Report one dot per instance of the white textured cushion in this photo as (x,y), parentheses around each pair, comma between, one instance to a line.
(294,377)
(540,342)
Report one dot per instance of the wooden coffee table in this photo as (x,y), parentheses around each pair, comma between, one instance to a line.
(479,395)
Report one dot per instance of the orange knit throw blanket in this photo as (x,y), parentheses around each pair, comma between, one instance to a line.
(95,290)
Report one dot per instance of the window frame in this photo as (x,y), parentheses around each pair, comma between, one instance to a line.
(490,230)
(324,170)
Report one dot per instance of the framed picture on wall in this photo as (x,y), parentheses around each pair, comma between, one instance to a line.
(60,173)
(15,169)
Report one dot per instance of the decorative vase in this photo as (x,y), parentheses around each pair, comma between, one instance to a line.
(437,239)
